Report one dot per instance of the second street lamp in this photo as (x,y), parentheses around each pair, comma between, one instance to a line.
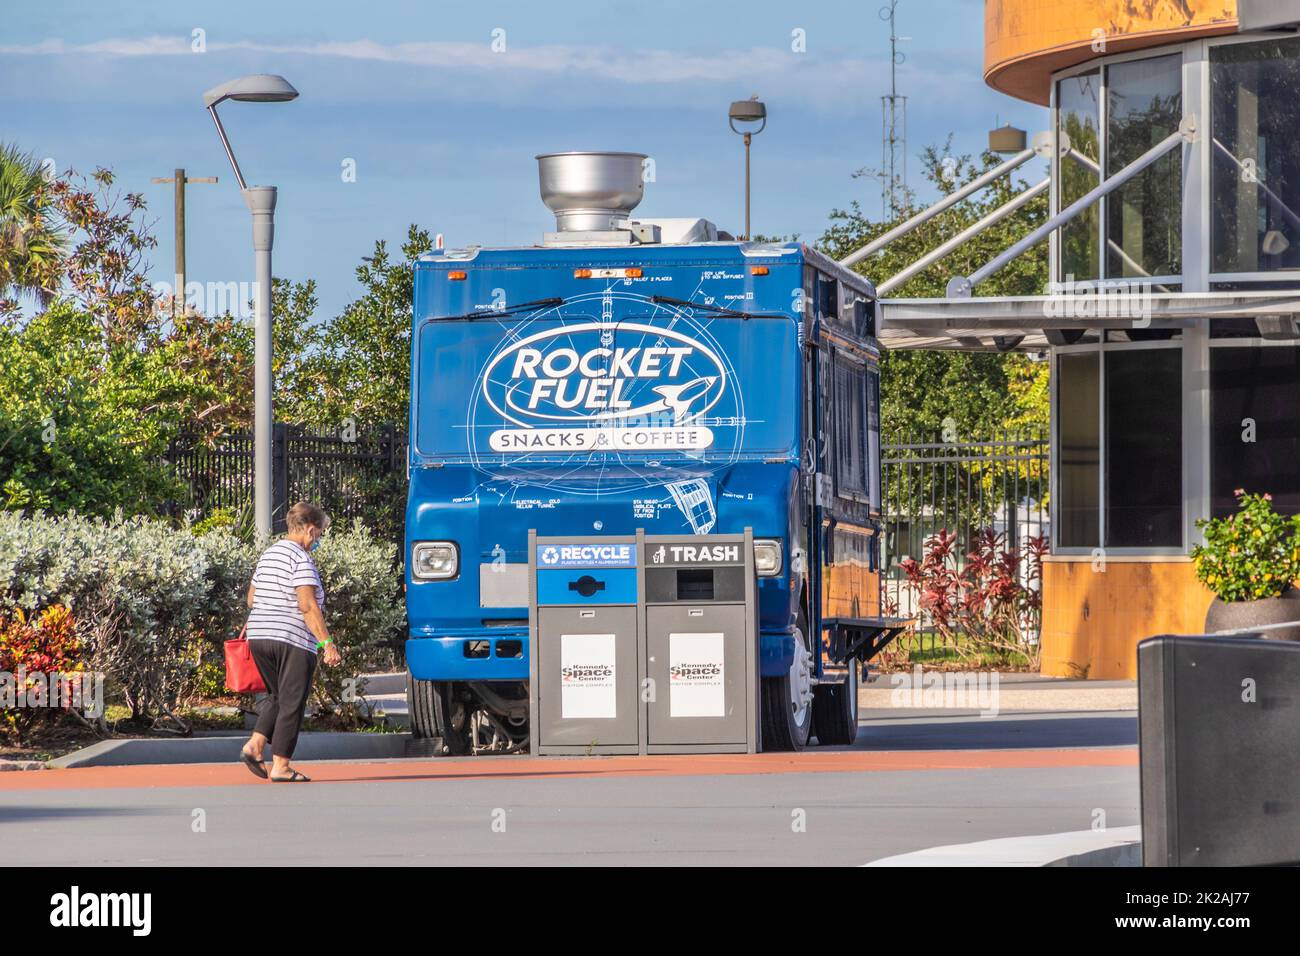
(747,113)
(260,200)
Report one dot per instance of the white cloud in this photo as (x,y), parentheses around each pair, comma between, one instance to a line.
(144,46)
(636,66)
(843,83)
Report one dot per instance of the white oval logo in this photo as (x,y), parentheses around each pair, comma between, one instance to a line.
(604,372)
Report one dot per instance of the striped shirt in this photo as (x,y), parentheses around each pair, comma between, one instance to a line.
(283,567)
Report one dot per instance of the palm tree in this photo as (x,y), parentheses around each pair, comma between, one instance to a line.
(31,243)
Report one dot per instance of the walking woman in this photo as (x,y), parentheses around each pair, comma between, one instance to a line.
(286,627)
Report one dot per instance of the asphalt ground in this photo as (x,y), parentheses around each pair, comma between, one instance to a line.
(909,783)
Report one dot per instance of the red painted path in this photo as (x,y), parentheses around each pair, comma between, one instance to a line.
(568,768)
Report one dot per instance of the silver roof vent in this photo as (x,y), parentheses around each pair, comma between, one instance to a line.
(591,192)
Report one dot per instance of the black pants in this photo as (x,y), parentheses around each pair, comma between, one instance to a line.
(287,671)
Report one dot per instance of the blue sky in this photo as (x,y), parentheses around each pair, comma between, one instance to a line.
(443,130)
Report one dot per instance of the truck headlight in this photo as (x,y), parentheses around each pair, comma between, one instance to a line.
(767,557)
(434,560)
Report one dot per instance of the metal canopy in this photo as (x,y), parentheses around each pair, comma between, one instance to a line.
(1001,323)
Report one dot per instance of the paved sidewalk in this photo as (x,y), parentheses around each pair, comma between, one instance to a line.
(908,784)
(1119,846)
(1013,692)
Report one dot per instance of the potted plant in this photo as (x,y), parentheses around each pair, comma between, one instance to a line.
(1251,561)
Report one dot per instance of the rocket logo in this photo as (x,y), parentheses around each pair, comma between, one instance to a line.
(579,374)
(680,398)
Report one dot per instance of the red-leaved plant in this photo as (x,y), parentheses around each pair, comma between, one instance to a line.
(986,603)
(44,644)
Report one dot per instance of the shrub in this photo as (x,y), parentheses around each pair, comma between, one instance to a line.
(230,568)
(364,610)
(1250,555)
(983,598)
(155,603)
(45,645)
(141,590)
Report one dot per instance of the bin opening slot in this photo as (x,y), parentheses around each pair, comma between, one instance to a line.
(586,585)
(695,584)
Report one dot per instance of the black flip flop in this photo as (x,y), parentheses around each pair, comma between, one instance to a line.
(294,777)
(252,763)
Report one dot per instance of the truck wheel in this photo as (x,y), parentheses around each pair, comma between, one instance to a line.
(787,700)
(439,724)
(835,709)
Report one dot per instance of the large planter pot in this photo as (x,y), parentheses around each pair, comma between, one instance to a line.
(1234,615)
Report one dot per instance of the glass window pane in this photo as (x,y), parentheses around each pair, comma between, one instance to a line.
(1144,104)
(1144,448)
(1255,435)
(850,427)
(1255,178)
(873,438)
(1079,446)
(1079,172)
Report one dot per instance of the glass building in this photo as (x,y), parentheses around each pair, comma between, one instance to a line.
(1171,315)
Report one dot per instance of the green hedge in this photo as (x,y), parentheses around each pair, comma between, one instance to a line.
(153,603)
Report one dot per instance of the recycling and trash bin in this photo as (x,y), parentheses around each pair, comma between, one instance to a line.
(583,638)
(701,644)
(645,644)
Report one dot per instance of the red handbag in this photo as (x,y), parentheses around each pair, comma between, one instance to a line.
(242,675)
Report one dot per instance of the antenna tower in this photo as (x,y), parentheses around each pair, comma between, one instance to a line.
(893,147)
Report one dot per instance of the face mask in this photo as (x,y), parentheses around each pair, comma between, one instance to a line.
(314,545)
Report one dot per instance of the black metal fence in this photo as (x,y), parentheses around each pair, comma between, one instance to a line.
(960,487)
(963,488)
(351,473)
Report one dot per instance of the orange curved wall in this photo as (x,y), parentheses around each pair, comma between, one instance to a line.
(1025,41)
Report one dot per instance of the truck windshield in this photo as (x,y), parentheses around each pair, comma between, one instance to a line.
(659,387)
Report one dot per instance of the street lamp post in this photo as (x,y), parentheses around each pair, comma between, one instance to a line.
(747,112)
(260,200)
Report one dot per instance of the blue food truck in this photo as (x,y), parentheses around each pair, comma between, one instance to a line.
(639,374)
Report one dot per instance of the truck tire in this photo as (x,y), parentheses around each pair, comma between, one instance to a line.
(439,722)
(787,701)
(835,710)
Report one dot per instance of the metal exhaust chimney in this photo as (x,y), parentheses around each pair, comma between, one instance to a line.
(591,191)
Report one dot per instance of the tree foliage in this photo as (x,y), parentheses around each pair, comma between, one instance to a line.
(94,384)
(81,426)
(31,241)
(357,366)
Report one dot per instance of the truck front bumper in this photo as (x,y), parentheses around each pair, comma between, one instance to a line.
(501,654)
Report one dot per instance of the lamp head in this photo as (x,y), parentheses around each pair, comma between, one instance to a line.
(1007,139)
(258,88)
(751,110)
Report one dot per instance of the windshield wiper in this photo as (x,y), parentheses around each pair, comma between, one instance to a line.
(716,309)
(657,299)
(510,310)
